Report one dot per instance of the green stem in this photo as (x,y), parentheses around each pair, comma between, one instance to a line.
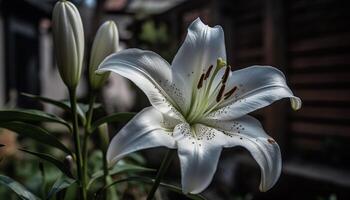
(87,134)
(161,171)
(76,139)
(105,174)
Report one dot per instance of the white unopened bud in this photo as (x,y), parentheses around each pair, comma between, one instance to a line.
(105,43)
(68,37)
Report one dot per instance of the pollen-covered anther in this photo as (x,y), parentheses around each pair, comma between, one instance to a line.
(200,82)
(220,94)
(226,74)
(271,141)
(207,74)
(230,93)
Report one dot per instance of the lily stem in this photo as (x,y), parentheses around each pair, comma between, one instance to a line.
(87,127)
(169,156)
(76,139)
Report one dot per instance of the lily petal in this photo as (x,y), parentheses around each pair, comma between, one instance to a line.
(144,131)
(248,133)
(202,47)
(151,73)
(257,87)
(198,157)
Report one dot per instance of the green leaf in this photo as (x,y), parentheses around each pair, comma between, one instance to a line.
(36,133)
(151,181)
(30,116)
(85,107)
(117,117)
(59,164)
(61,183)
(80,111)
(65,105)
(59,104)
(18,188)
(118,169)
(136,157)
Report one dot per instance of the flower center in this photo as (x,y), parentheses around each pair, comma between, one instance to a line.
(210,92)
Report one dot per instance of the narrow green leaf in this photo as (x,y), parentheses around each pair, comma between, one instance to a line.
(80,111)
(59,104)
(30,116)
(137,158)
(117,117)
(65,105)
(36,133)
(18,188)
(59,164)
(118,169)
(151,181)
(61,183)
(85,107)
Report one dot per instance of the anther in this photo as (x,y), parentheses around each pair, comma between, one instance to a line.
(230,68)
(221,92)
(208,72)
(200,82)
(271,141)
(229,93)
(225,76)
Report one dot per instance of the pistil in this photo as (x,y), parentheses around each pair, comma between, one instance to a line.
(205,94)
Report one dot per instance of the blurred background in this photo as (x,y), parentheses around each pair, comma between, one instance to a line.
(308,40)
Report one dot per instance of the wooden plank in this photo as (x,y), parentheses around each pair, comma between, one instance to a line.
(305,144)
(322,113)
(323,95)
(326,42)
(249,35)
(274,52)
(319,78)
(249,17)
(301,6)
(312,61)
(311,170)
(302,128)
(317,28)
(245,53)
(330,13)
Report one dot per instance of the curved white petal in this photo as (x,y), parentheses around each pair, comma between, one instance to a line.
(151,73)
(248,133)
(257,87)
(145,130)
(198,157)
(202,47)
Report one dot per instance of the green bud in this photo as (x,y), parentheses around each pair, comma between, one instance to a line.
(105,43)
(103,136)
(68,35)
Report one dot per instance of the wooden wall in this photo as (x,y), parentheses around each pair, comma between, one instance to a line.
(310,42)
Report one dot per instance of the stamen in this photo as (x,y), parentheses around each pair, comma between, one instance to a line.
(200,82)
(225,76)
(208,72)
(230,93)
(221,92)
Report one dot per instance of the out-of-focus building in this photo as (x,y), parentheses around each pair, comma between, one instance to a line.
(308,40)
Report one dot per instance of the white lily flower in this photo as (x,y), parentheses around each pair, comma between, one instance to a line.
(199,106)
(68,35)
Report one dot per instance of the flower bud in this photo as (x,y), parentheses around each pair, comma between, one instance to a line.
(105,43)
(68,35)
(68,163)
(103,136)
